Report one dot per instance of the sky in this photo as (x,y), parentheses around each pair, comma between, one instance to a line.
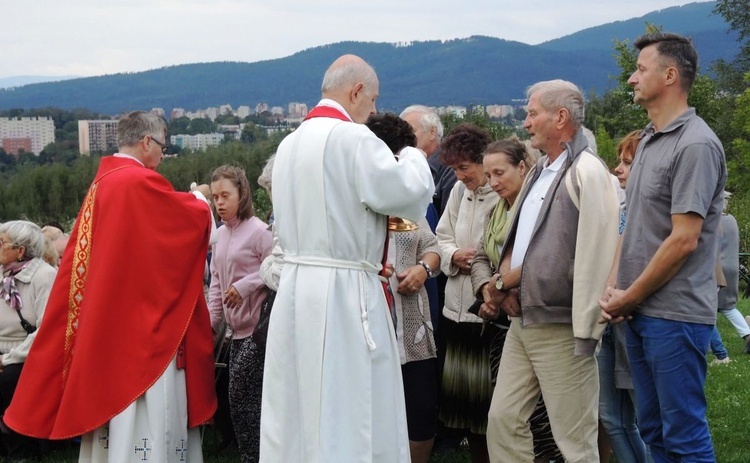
(97,37)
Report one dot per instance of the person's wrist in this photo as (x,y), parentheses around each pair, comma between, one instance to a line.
(427,268)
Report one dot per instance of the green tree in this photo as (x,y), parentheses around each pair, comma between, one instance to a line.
(201,125)
(606,148)
(497,130)
(738,162)
(178,126)
(737,14)
(251,133)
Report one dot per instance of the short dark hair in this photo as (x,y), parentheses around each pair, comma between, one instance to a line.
(394,131)
(466,142)
(676,48)
(237,176)
(513,148)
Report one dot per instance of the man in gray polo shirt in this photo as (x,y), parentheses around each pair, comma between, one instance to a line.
(663,280)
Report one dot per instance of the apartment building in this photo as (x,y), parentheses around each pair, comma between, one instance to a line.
(97,137)
(30,134)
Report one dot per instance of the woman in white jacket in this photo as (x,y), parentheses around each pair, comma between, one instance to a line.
(26,283)
(466,381)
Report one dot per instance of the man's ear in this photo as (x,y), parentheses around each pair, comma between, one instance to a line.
(562,117)
(356,90)
(672,76)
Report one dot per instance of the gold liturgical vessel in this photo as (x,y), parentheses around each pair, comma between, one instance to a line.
(397,224)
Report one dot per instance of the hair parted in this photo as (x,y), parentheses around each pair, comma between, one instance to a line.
(678,50)
(26,234)
(428,118)
(560,94)
(394,131)
(135,125)
(466,142)
(513,148)
(237,176)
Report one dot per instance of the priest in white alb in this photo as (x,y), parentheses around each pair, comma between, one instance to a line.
(332,390)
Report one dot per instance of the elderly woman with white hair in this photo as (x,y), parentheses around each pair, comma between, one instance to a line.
(27,281)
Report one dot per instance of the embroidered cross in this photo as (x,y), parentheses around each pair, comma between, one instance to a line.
(104,438)
(146,449)
(181,450)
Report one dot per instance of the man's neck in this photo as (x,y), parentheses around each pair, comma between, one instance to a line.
(134,153)
(662,117)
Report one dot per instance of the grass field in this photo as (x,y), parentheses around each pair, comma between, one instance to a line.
(727,388)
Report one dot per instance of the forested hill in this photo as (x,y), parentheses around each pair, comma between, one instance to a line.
(474,70)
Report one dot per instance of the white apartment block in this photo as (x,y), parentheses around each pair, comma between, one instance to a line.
(243,111)
(197,142)
(226,109)
(499,110)
(97,137)
(459,111)
(176,113)
(32,132)
(212,113)
(158,112)
(297,109)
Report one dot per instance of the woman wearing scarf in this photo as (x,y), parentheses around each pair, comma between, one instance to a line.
(506,163)
(26,284)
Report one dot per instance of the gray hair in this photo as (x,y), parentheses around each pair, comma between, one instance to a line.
(557,94)
(591,138)
(265,177)
(349,74)
(726,197)
(428,118)
(135,125)
(26,234)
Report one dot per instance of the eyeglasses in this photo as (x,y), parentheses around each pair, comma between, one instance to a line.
(12,244)
(163,145)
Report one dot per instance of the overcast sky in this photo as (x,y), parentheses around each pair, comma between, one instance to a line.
(96,37)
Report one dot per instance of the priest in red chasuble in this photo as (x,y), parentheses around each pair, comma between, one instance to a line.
(124,354)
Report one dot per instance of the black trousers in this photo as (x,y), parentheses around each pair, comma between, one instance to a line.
(17,446)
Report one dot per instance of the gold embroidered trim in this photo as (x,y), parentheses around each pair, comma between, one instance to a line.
(78,277)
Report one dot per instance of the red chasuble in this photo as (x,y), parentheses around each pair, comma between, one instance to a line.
(127,297)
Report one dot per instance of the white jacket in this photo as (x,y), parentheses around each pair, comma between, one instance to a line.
(34,284)
(462,226)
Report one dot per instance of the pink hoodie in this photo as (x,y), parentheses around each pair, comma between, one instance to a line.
(237,255)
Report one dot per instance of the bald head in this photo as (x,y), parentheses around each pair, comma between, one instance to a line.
(352,83)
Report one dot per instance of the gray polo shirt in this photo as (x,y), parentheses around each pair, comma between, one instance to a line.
(677,170)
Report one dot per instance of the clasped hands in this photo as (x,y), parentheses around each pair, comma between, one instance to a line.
(495,301)
(616,306)
(232,298)
(411,279)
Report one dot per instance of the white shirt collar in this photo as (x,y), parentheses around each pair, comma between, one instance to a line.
(127,156)
(557,165)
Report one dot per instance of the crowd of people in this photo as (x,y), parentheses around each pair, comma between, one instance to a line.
(409,290)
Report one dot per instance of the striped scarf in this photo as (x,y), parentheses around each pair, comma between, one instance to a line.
(9,292)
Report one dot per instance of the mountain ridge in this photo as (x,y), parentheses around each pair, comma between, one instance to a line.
(473,70)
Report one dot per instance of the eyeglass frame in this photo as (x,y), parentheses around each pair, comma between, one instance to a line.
(164,146)
(12,244)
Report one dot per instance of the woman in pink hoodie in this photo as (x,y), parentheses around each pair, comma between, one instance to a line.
(236,295)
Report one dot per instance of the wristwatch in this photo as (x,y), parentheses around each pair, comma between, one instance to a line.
(499,283)
(427,268)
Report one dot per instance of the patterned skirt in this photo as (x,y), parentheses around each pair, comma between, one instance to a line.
(466,389)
